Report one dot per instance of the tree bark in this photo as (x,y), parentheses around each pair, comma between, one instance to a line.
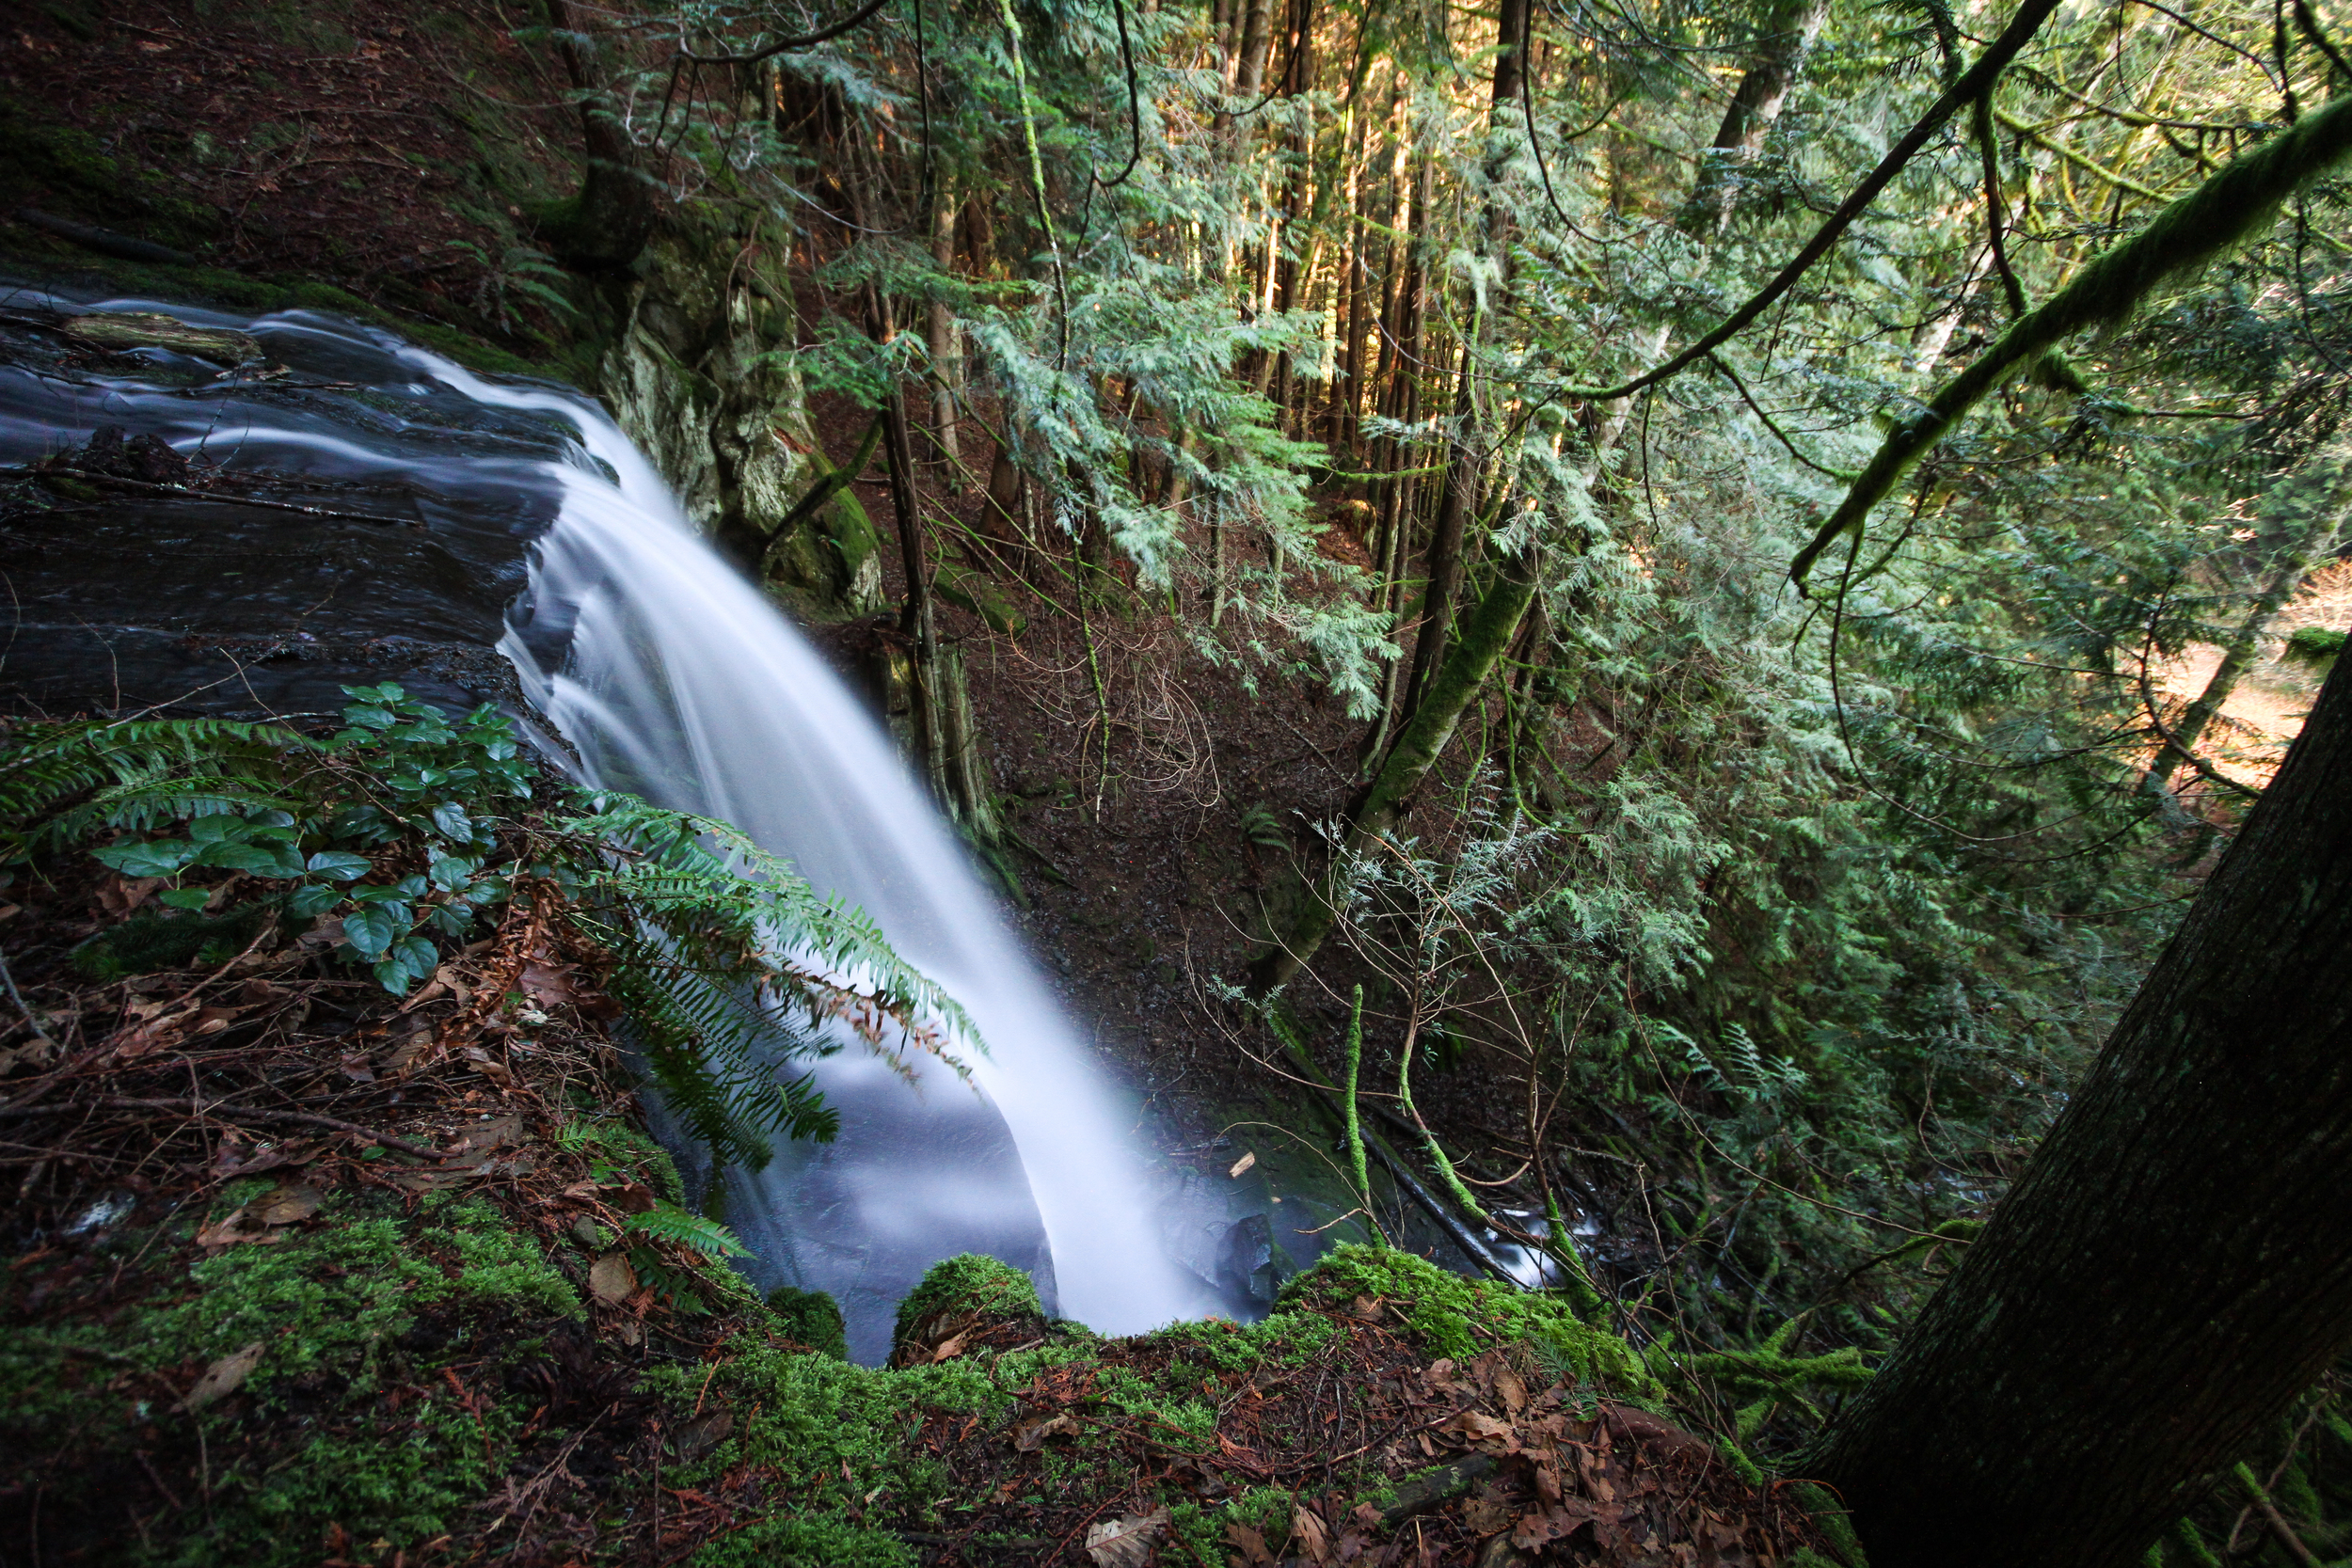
(1465,456)
(604,227)
(1485,637)
(939,341)
(1787,39)
(918,619)
(1449,538)
(2175,1266)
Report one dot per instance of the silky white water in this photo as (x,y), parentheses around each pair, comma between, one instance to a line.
(664,671)
(679,680)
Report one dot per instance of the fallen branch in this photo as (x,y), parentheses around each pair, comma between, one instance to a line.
(194,494)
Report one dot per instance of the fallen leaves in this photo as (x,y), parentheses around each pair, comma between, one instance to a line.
(231,1161)
(490,1066)
(222,1377)
(1470,1462)
(610,1279)
(39,1050)
(1125,1542)
(1030,1436)
(263,1221)
(288,1205)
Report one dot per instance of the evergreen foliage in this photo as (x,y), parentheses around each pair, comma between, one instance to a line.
(394,834)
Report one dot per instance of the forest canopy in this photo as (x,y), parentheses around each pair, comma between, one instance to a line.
(1761,479)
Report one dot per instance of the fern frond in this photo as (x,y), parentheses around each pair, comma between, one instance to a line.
(666,1222)
(756,909)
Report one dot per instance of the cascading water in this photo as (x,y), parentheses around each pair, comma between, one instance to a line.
(678,680)
(665,672)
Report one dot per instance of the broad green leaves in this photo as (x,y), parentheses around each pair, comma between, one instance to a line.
(395,837)
(389,824)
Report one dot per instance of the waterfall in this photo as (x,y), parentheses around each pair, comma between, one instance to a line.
(662,670)
(671,676)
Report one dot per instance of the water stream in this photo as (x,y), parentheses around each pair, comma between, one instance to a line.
(663,671)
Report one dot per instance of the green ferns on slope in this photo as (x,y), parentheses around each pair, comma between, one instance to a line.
(397,833)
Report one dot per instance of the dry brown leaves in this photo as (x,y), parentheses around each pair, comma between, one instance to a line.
(1485,1467)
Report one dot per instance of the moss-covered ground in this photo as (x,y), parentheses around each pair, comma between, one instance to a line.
(389,1297)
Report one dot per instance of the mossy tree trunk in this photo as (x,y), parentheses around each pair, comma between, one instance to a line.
(2175,1266)
(1485,635)
(604,227)
(1451,542)
(1781,47)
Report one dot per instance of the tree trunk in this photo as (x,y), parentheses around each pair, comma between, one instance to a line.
(939,341)
(1511,33)
(2175,1265)
(918,620)
(1247,70)
(1787,37)
(1755,106)
(1449,539)
(1485,637)
(1290,258)
(604,227)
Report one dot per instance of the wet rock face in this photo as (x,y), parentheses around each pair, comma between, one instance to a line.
(186,533)
(699,375)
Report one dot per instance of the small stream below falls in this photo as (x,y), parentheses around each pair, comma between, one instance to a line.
(449,515)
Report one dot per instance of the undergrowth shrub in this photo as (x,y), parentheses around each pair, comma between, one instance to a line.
(396,835)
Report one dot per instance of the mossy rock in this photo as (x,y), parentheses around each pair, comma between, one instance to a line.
(972,590)
(849,530)
(962,1296)
(1445,1314)
(811,1317)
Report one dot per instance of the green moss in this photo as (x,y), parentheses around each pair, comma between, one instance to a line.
(1448,1315)
(1830,1516)
(973,591)
(2316,645)
(810,1318)
(1195,1536)
(970,1282)
(824,1541)
(332,1308)
(332,1300)
(843,1426)
(407,1487)
(630,1152)
(76,166)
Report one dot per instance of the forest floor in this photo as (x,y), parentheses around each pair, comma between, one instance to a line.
(2265,710)
(304,1275)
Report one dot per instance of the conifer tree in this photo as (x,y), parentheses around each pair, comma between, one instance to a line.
(2175,1265)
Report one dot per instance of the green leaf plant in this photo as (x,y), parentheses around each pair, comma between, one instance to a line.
(396,838)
